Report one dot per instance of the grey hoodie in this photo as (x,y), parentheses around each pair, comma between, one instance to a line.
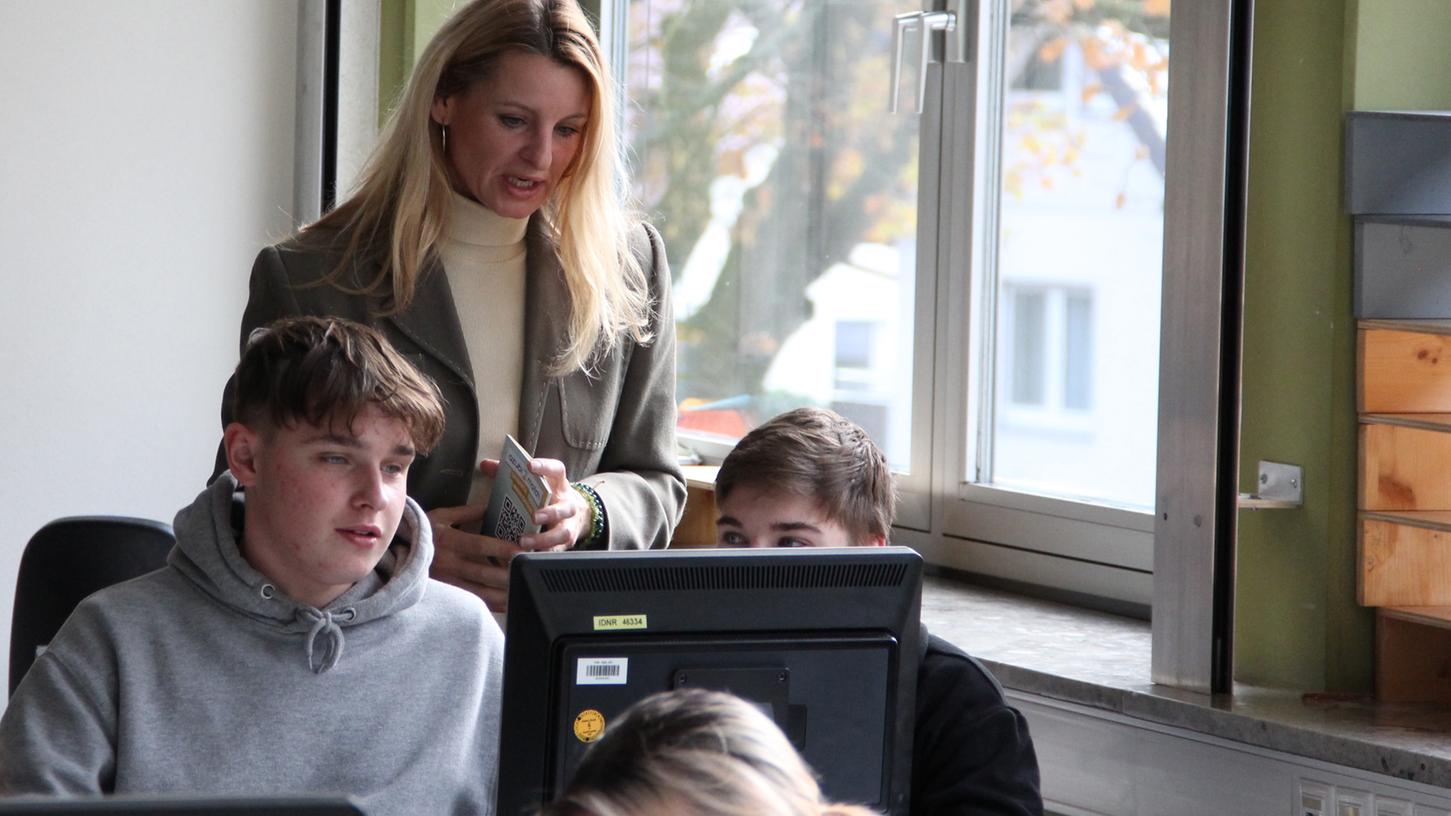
(203,678)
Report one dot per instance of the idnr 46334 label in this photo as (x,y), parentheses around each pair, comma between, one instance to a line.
(607,622)
(602,671)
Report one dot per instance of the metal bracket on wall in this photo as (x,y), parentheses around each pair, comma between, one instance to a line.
(1281,486)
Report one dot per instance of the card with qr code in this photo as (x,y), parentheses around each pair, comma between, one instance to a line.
(516,495)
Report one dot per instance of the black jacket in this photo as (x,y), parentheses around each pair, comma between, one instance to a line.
(971,752)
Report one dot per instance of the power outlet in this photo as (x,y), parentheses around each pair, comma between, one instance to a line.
(1353,803)
(1392,807)
(1315,799)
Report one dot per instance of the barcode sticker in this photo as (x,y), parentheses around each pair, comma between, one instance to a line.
(602,671)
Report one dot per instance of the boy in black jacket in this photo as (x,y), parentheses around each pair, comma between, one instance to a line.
(811,478)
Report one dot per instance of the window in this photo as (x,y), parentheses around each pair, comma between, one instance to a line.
(853,349)
(1047,351)
(1047,344)
(1026,348)
(1077,352)
(977,282)
(788,203)
(1076,168)
(1047,436)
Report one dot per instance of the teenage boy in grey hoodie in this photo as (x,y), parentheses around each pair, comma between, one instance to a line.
(225,672)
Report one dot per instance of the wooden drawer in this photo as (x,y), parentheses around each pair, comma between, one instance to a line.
(1404,559)
(1405,462)
(1404,367)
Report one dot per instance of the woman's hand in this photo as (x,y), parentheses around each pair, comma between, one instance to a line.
(477,563)
(480,563)
(567,515)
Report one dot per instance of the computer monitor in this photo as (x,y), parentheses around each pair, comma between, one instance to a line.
(825,640)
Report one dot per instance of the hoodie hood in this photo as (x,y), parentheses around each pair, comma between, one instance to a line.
(207,554)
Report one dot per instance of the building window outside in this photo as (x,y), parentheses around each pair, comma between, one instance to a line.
(1049,349)
(1027,347)
(854,344)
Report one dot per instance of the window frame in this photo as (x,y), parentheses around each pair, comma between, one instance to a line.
(1080,548)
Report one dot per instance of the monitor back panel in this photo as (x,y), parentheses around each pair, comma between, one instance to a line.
(830,695)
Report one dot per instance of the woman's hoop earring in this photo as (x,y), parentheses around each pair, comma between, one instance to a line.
(444,130)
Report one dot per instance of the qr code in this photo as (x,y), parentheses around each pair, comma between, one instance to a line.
(511,523)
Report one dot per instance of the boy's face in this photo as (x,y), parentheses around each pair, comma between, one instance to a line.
(756,517)
(322,502)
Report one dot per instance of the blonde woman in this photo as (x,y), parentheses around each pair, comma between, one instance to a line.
(488,240)
(694,753)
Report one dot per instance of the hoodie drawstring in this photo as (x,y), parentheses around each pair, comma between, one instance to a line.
(323,623)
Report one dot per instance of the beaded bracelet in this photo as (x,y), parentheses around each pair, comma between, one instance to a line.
(598,523)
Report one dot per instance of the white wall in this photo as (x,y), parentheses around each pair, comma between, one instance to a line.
(145,156)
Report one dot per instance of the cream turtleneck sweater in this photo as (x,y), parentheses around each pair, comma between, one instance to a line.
(483,255)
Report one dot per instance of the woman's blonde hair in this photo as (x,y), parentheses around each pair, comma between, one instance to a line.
(403,197)
(694,753)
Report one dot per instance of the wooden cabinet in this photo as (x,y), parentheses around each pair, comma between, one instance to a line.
(697,526)
(1413,654)
(1404,541)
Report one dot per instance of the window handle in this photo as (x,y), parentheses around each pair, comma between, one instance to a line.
(957,24)
(925,22)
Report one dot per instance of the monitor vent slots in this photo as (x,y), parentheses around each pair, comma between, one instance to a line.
(751,576)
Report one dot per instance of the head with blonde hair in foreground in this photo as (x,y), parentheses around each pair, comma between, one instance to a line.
(695,753)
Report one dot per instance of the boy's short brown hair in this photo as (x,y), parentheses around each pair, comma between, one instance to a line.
(821,455)
(326,370)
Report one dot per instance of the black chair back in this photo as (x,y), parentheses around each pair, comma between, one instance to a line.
(68,559)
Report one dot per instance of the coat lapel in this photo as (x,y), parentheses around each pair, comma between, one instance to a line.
(546,316)
(432,322)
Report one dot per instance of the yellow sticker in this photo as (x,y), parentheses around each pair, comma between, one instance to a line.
(605,622)
(589,725)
